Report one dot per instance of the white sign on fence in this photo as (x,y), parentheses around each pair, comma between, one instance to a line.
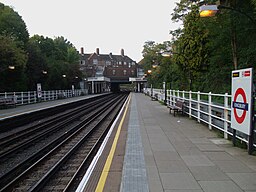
(241,109)
(39,90)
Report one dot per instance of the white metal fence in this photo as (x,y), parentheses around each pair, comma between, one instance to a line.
(209,108)
(22,98)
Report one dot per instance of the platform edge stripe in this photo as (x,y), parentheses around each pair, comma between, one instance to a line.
(106,168)
(89,171)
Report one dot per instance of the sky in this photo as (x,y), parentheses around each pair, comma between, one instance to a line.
(110,25)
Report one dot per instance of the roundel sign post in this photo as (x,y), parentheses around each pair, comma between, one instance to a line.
(241,109)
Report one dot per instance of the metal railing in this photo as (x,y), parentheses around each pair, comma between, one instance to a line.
(29,97)
(212,109)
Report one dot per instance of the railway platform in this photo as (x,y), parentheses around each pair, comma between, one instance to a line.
(151,150)
(158,152)
(22,109)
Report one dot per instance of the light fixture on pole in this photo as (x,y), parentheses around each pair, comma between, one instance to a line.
(208,10)
(12,67)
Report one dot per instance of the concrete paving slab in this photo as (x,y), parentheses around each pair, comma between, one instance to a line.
(208,173)
(208,147)
(219,155)
(179,181)
(233,166)
(200,140)
(183,190)
(172,167)
(155,185)
(219,186)
(166,156)
(196,160)
(247,181)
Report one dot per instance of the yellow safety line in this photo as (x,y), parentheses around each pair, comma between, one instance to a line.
(106,168)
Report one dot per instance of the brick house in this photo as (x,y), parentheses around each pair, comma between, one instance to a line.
(102,70)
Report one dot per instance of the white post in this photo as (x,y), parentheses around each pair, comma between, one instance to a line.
(28,97)
(92,87)
(22,99)
(226,116)
(198,106)
(190,104)
(210,110)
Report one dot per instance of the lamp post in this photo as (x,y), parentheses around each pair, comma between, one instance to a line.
(149,72)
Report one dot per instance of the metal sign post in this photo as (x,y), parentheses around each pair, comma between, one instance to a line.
(242,100)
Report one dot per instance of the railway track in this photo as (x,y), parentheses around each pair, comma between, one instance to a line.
(60,163)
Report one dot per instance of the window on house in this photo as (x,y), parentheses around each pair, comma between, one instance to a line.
(95,61)
(114,72)
(108,63)
(125,72)
(125,63)
(120,63)
(82,62)
(132,71)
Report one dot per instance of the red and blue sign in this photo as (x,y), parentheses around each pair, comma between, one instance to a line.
(240,105)
(241,100)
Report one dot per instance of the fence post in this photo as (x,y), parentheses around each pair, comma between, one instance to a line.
(174,97)
(198,106)
(190,103)
(29,97)
(226,116)
(210,110)
(22,99)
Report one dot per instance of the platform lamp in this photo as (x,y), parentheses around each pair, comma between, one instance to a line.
(149,72)
(11,67)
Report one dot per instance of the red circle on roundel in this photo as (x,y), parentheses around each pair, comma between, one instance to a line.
(241,118)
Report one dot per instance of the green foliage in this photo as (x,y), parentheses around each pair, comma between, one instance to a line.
(12,25)
(11,55)
(203,55)
(58,57)
(37,59)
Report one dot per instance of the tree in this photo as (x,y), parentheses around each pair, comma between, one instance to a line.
(12,55)
(13,40)
(191,44)
(12,25)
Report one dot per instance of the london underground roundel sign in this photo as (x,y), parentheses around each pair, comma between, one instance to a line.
(241,100)
(240,105)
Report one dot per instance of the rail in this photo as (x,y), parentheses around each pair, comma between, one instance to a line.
(212,109)
(29,97)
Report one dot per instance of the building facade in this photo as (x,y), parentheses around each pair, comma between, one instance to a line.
(113,69)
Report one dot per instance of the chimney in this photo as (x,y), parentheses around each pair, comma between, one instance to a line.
(122,52)
(82,50)
(97,51)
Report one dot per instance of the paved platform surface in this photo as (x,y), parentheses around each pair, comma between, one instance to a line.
(5,113)
(180,155)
